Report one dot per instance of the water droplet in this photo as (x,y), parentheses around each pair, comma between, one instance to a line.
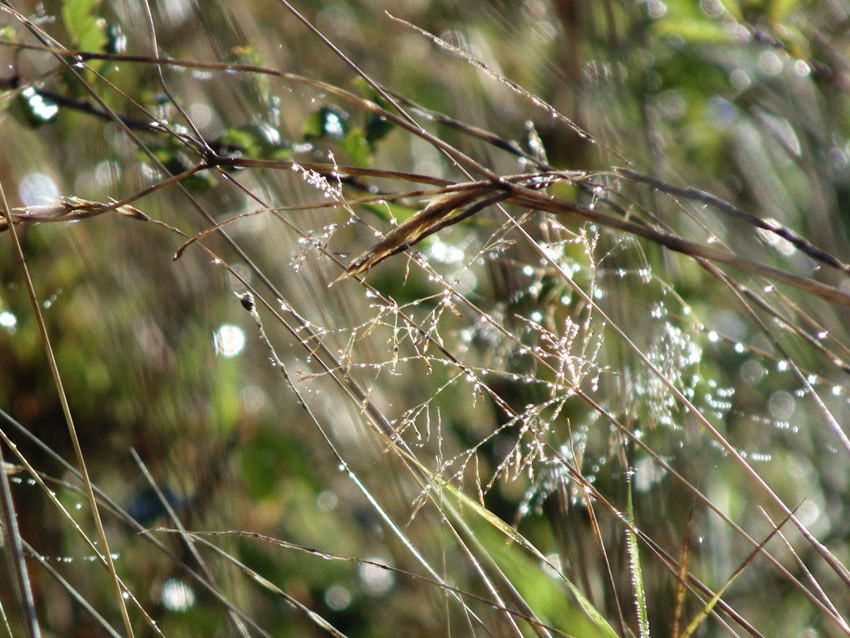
(781,405)
(38,189)
(337,597)
(177,595)
(8,321)
(41,108)
(376,580)
(229,340)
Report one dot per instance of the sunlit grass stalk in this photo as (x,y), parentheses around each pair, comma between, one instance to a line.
(14,552)
(115,509)
(635,566)
(72,431)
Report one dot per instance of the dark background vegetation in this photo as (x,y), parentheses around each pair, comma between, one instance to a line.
(492,396)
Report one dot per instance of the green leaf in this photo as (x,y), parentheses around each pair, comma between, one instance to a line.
(225,396)
(357,147)
(260,141)
(377,128)
(693,30)
(116,41)
(779,10)
(34,108)
(592,613)
(173,155)
(330,122)
(8,33)
(86,28)
(326,122)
